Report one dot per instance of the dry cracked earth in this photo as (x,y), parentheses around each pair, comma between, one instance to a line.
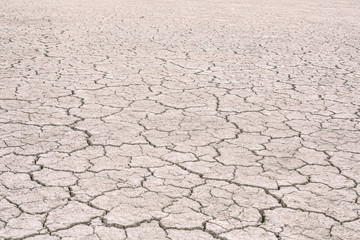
(180,120)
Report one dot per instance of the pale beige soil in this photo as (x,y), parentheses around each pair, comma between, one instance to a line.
(180,120)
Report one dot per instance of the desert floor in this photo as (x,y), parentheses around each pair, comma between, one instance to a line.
(180,120)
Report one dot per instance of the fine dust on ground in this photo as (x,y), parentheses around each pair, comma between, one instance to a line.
(180,120)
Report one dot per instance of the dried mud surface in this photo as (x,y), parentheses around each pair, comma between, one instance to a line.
(164,119)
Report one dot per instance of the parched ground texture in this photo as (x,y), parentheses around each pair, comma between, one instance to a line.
(180,120)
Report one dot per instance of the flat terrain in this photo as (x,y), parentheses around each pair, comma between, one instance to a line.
(180,120)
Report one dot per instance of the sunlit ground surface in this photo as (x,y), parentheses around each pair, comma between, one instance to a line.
(180,120)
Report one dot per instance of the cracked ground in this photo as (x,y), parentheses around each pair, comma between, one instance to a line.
(174,120)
